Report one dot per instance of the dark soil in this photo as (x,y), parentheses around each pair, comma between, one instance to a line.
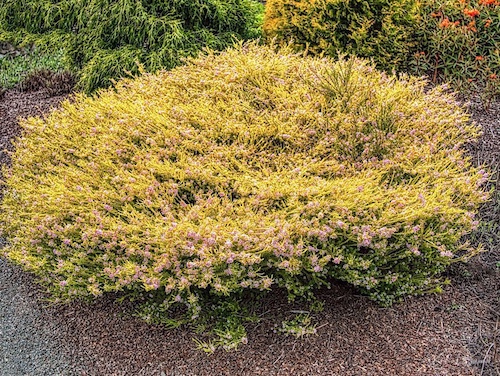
(455,333)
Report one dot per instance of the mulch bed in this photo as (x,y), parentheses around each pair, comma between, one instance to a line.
(455,333)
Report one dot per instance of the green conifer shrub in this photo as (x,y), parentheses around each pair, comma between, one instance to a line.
(106,38)
(241,171)
(382,30)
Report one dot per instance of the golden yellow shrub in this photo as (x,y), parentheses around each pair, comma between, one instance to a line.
(244,170)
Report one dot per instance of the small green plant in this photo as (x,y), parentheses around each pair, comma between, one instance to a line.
(454,307)
(299,326)
(228,335)
(317,306)
(239,172)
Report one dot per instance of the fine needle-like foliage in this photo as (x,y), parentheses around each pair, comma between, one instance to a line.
(241,171)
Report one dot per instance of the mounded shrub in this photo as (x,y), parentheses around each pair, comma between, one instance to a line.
(382,30)
(104,39)
(242,171)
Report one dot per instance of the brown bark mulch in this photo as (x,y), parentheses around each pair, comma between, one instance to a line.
(454,333)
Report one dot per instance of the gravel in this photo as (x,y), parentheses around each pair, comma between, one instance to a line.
(29,341)
(455,333)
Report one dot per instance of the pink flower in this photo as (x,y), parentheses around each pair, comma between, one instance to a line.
(446,254)
(386,232)
(340,224)
(421,198)
(155,283)
(413,249)
(267,283)
(366,242)
(285,264)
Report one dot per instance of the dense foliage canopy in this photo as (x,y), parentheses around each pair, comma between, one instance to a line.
(104,39)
